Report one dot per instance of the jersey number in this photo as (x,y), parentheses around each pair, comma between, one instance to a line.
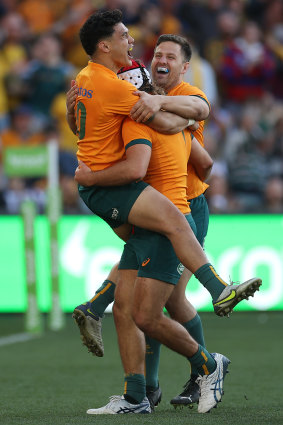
(81,118)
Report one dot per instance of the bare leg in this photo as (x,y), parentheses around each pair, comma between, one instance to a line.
(153,211)
(123,231)
(149,299)
(179,308)
(130,338)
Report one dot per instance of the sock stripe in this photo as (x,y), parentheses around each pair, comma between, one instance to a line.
(204,356)
(206,372)
(217,276)
(101,292)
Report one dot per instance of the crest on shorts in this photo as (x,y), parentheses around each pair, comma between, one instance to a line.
(115,213)
(180,268)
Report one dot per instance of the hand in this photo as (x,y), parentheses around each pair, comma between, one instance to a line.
(145,107)
(71,97)
(193,125)
(84,175)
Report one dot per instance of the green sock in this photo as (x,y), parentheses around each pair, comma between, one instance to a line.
(194,327)
(203,361)
(152,357)
(210,280)
(134,388)
(103,297)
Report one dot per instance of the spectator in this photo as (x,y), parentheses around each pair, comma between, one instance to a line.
(46,77)
(246,162)
(202,75)
(200,18)
(274,196)
(228,24)
(21,134)
(13,58)
(247,66)
(274,41)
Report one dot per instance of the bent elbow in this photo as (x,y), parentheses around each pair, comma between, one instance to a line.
(138,174)
(202,112)
(209,164)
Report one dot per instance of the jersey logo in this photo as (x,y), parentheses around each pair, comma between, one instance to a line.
(145,262)
(85,93)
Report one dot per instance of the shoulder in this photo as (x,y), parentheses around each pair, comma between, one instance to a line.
(131,125)
(188,89)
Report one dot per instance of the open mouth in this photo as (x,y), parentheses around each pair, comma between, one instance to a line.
(130,52)
(162,70)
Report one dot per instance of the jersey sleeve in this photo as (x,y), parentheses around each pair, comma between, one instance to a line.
(188,90)
(134,133)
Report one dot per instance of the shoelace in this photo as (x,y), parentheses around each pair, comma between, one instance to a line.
(114,398)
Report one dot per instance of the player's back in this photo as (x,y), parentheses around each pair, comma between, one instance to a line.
(103,102)
(167,170)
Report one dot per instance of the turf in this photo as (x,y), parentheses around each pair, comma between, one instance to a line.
(53,380)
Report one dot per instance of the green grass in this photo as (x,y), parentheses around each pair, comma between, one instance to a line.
(53,380)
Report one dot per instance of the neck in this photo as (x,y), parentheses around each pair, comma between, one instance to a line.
(105,61)
(172,86)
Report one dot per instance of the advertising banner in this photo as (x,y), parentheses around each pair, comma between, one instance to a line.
(240,247)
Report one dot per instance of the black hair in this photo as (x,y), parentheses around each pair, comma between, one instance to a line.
(182,41)
(98,26)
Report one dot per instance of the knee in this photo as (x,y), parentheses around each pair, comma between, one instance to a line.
(145,321)
(142,321)
(121,310)
(178,224)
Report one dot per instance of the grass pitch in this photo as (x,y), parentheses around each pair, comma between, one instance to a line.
(53,380)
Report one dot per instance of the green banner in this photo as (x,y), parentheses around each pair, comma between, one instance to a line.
(240,247)
(30,161)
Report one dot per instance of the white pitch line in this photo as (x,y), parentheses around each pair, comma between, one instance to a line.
(15,338)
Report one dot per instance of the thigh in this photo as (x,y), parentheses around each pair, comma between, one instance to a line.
(200,214)
(112,203)
(154,211)
(123,231)
(150,297)
(155,255)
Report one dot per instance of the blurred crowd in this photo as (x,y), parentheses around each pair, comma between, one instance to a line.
(237,61)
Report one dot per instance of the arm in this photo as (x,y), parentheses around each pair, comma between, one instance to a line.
(133,168)
(163,122)
(70,106)
(167,123)
(188,106)
(201,160)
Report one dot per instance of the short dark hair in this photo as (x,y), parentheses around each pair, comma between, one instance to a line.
(98,26)
(182,41)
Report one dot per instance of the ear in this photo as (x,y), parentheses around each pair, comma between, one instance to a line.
(185,67)
(104,46)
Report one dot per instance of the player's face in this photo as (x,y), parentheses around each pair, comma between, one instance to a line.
(168,66)
(121,45)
